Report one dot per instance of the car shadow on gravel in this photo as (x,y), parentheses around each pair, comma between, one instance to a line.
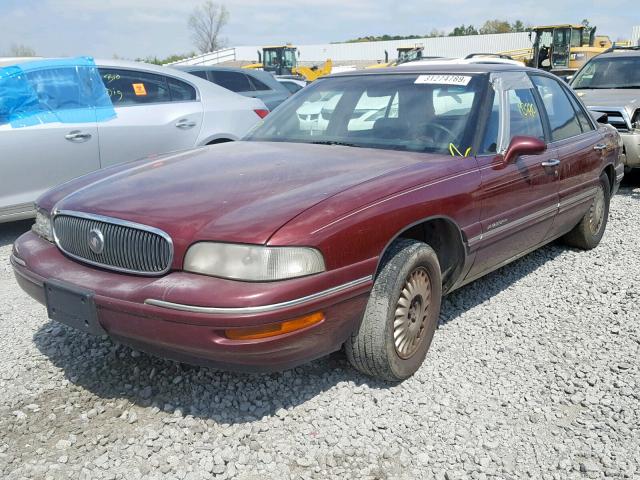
(9,232)
(115,372)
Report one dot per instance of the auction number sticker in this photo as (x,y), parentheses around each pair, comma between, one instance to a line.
(443,80)
(138,89)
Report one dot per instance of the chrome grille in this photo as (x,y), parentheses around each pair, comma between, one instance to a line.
(127,247)
(616,119)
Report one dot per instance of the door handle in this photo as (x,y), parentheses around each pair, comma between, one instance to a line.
(600,146)
(184,123)
(77,136)
(551,163)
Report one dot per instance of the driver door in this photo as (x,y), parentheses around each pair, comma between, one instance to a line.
(40,153)
(519,200)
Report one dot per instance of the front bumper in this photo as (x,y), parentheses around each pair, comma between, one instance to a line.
(631,142)
(182,316)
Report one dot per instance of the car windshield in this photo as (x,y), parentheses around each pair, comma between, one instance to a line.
(416,112)
(622,72)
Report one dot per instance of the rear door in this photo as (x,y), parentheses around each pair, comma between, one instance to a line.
(155,114)
(57,142)
(519,199)
(578,143)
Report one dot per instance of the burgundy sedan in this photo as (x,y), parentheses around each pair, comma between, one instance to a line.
(341,228)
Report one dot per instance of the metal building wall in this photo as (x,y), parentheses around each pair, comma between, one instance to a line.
(373,51)
(439,46)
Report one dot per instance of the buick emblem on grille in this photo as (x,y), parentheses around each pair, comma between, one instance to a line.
(96,241)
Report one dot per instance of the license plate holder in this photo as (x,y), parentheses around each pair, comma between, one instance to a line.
(72,306)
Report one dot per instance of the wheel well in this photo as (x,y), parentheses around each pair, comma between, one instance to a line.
(611,174)
(445,238)
(219,140)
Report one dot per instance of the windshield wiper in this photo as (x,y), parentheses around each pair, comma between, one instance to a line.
(333,142)
(628,86)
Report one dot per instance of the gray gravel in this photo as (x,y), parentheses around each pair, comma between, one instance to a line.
(533,373)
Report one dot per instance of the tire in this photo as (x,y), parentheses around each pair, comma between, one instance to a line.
(409,272)
(589,231)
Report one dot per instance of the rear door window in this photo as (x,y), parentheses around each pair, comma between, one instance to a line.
(132,87)
(234,81)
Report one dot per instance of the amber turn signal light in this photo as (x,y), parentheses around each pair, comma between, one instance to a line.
(273,329)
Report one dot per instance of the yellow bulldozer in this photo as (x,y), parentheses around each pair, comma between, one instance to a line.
(561,49)
(282,60)
(405,54)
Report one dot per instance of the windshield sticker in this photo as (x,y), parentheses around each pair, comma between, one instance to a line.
(139,90)
(527,110)
(443,80)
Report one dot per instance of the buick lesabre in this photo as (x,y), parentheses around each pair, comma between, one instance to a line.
(305,239)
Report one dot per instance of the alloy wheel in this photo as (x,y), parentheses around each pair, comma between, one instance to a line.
(411,313)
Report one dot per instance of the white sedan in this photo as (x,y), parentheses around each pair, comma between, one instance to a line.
(62,118)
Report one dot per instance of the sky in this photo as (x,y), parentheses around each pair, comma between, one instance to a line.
(140,28)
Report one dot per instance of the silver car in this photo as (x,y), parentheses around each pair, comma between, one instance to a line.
(50,135)
(610,84)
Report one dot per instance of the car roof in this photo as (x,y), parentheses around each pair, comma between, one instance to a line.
(441,68)
(8,61)
(617,53)
(211,68)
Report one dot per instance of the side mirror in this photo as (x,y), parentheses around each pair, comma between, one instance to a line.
(600,117)
(523,145)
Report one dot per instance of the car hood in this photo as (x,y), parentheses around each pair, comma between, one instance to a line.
(628,99)
(236,192)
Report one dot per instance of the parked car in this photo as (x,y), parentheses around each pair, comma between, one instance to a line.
(294,243)
(292,84)
(247,82)
(610,83)
(474,58)
(153,110)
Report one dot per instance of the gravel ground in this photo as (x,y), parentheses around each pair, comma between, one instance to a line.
(533,373)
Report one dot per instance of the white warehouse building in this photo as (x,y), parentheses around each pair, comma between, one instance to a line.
(372,52)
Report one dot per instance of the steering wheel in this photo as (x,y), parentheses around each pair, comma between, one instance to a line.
(449,136)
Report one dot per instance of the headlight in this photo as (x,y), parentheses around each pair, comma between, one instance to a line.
(254,263)
(635,121)
(42,226)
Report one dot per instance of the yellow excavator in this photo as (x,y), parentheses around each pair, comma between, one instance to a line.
(405,54)
(561,49)
(283,60)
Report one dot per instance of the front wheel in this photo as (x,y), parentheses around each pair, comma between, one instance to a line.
(588,233)
(402,313)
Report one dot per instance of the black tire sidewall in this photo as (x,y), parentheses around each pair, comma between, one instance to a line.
(604,183)
(404,263)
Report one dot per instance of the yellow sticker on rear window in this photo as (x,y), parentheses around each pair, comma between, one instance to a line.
(138,89)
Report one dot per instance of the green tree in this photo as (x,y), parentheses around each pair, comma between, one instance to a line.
(518,26)
(463,30)
(495,26)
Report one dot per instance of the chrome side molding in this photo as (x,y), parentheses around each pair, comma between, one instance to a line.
(261,308)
